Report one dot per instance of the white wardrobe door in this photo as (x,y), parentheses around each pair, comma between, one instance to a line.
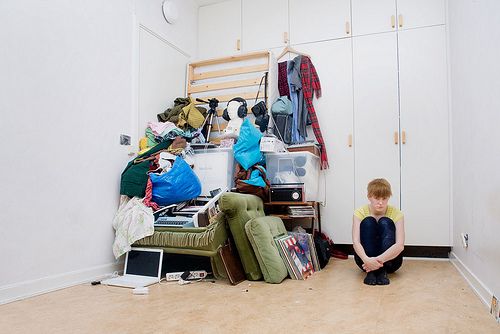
(219,29)
(263,24)
(421,13)
(424,119)
(319,20)
(333,62)
(376,113)
(373,16)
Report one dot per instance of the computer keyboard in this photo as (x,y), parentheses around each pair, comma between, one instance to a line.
(176,221)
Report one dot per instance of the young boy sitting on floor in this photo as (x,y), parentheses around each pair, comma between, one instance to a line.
(378,234)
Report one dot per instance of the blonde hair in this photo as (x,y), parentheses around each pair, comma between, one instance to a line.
(379,188)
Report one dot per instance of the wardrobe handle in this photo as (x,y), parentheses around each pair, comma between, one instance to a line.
(396,137)
(349,140)
(347,28)
(285,37)
(400,20)
(393,21)
(238,44)
(403,137)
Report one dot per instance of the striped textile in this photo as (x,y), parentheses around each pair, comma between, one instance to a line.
(283,79)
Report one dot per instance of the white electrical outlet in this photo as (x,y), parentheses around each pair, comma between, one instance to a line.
(465,239)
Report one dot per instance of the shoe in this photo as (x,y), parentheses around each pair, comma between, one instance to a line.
(370,279)
(381,277)
(338,254)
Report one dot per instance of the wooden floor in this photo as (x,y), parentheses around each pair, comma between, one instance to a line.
(423,297)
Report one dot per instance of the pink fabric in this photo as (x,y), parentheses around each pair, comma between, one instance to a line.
(148,201)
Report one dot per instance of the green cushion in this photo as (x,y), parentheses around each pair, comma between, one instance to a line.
(261,232)
(238,210)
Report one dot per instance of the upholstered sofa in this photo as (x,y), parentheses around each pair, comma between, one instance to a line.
(236,211)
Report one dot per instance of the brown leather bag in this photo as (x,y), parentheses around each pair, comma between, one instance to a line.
(242,187)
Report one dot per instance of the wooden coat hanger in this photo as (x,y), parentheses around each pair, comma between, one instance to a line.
(289,49)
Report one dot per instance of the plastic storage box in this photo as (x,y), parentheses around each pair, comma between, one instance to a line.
(295,167)
(215,169)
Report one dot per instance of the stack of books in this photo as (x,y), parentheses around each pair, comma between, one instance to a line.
(301,211)
(298,253)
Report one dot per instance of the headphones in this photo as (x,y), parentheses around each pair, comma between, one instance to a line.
(242,109)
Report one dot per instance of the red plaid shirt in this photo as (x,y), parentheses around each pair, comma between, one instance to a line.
(311,84)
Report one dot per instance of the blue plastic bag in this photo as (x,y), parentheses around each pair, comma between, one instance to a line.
(247,148)
(256,178)
(177,185)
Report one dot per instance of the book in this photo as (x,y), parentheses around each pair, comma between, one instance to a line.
(283,253)
(232,264)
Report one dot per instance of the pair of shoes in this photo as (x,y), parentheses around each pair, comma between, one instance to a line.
(338,254)
(370,279)
(381,277)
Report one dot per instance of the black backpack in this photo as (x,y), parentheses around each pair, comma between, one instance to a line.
(322,249)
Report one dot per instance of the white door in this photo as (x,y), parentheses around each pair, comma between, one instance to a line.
(333,63)
(162,72)
(425,170)
(264,24)
(420,13)
(219,29)
(373,16)
(319,20)
(376,113)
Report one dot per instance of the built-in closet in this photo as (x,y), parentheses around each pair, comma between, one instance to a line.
(383,70)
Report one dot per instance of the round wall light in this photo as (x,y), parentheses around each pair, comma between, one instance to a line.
(170,12)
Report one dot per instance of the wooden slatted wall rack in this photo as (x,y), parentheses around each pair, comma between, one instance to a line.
(226,78)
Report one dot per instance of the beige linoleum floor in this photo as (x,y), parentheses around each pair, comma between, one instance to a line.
(423,297)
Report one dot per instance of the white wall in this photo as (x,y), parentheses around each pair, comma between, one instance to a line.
(182,34)
(475,82)
(68,88)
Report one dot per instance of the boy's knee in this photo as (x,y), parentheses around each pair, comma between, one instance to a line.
(386,223)
(368,222)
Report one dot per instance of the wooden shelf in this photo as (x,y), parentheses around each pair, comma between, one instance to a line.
(282,216)
(291,203)
(279,209)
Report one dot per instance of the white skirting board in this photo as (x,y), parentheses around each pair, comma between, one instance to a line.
(26,289)
(479,288)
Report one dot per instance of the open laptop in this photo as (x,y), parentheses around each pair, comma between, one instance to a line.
(142,268)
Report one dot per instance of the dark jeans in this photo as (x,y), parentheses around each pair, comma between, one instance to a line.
(376,238)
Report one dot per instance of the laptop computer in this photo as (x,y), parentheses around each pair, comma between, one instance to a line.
(142,268)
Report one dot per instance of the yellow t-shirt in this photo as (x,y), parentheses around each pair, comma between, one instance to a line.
(394,213)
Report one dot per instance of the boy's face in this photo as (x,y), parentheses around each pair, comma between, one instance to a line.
(378,204)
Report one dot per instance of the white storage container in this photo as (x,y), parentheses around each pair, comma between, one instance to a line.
(215,169)
(295,167)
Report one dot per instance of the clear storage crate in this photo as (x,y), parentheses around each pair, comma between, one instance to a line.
(215,169)
(295,167)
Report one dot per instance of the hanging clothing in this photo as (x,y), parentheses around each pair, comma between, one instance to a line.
(302,113)
(311,84)
(297,98)
(283,79)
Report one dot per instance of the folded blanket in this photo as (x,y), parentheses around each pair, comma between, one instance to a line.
(132,221)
